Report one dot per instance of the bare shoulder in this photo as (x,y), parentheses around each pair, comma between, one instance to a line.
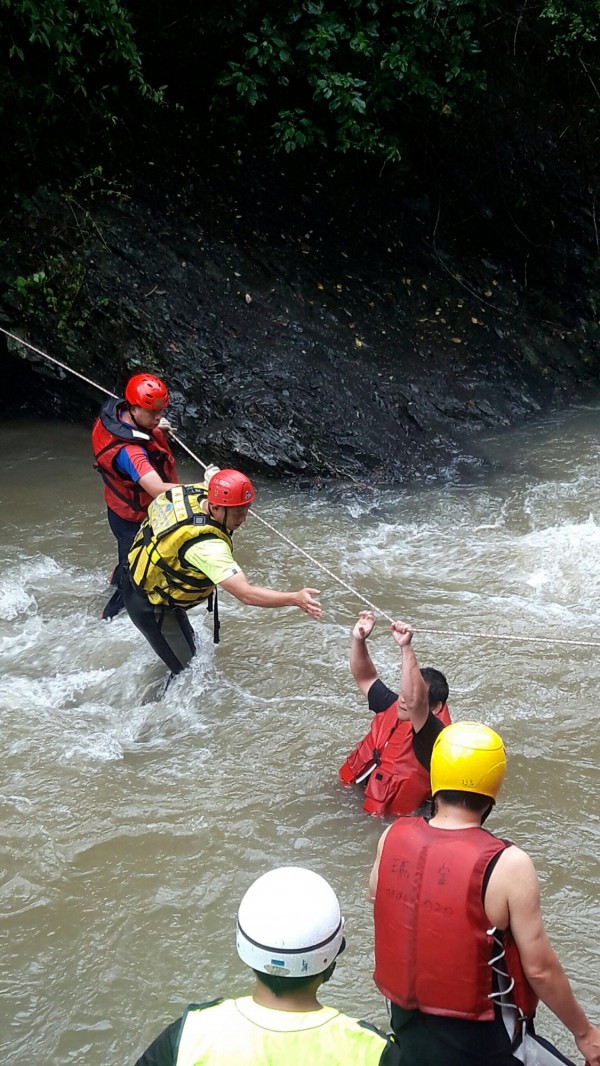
(512,885)
(513,862)
(513,877)
(382,838)
(374,875)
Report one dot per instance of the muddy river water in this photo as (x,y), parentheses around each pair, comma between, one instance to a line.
(132,824)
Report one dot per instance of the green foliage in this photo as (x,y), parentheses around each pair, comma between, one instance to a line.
(355,75)
(293,129)
(65,59)
(575,23)
(55,290)
(53,283)
(345,73)
(363,76)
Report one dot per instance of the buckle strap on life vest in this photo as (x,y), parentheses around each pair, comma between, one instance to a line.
(512,1016)
(116,485)
(213,606)
(151,539)
(376,758)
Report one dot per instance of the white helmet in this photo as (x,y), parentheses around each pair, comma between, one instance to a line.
(290,924)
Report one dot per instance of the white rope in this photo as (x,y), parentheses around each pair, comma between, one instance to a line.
(510,636)
(89,381)
(57,362)
(335,577)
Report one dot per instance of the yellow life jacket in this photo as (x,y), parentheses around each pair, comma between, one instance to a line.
(233,1031)
(156,561)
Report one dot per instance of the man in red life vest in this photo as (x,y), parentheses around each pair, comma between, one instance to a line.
(134,458)
(392,761)
(457,916)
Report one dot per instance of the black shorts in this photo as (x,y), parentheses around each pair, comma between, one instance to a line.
(431,1040)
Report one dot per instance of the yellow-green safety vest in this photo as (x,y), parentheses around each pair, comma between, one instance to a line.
(156,561)
(233,1032)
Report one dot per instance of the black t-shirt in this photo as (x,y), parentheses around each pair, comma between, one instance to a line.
(163,1050)
(381,697)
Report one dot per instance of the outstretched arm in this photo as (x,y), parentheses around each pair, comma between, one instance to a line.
(361,665)
(414,691)
(514,885)
(259,596)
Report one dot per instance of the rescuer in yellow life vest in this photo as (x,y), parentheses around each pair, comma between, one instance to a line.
(182,552)
(290,931)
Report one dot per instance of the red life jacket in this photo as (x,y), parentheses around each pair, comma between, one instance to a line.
(124,496)
(399,784)
(433,945)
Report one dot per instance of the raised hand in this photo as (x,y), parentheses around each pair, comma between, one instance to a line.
(402,633)
(364,627)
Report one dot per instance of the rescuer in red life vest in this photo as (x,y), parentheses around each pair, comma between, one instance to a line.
(457,916)
(133,456)
(392,761)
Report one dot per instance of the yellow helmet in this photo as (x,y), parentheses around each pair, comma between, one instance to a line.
(468,757)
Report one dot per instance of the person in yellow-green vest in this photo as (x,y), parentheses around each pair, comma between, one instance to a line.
(183,551)
(290,931)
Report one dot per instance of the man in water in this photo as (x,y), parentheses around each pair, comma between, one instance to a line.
(182,552)
(290,931)
(461,951)
(133,456)
(392,761)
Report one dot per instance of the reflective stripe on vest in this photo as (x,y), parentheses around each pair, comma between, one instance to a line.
(433,946)
(239,1031)
(156,561)
(124,496)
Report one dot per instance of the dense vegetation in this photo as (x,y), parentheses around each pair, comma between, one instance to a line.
(486,111)
(413,182)
(347,75)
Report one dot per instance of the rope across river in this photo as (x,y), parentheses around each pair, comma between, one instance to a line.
(316,562)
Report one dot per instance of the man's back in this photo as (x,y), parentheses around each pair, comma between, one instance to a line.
(241,1031)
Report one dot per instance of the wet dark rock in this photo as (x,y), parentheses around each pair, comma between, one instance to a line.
(328,339)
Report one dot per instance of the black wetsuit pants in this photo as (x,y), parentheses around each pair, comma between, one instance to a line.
(124,533)
(167,629)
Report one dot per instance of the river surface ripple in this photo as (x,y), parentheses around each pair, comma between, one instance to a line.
(132,824)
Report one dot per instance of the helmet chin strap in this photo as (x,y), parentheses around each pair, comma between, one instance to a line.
(142,429)
(134,419)
(223,524)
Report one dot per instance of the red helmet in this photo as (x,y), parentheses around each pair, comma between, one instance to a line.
(144,390)
(230,488)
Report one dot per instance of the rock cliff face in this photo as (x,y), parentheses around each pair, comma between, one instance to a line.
(323,332)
